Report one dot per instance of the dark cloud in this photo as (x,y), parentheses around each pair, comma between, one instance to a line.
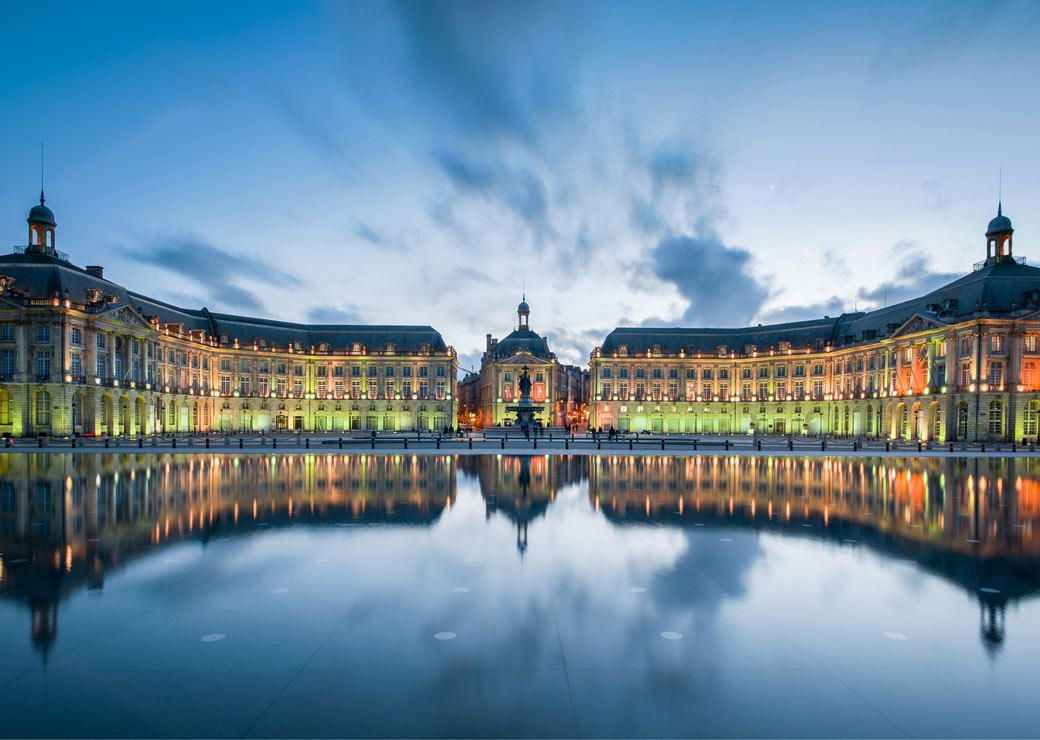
(914,277)
(714,278)
(518,189)
(218,272)
(833,306)
(496,68)
(333,315)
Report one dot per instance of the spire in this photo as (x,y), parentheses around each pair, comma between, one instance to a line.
(41,196)
(999,207)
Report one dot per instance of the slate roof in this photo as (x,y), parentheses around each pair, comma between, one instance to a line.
(1002,289)
(523,340)
(43,276)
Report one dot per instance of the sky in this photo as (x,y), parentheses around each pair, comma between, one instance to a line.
(625,164)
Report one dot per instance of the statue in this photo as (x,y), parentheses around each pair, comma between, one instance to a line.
(525,382)
(525,410)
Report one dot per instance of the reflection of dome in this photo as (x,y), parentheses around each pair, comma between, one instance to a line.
(999,223)
(41,214)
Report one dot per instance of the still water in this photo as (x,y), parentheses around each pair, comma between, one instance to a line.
(328,595)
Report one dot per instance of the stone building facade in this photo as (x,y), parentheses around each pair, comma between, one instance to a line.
(80,354)
(560,389)
(961,363)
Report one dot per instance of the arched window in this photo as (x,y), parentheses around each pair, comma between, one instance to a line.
(996,418)
(870,419)
(936,423)
(962,420)
(1032,412)
(43,409)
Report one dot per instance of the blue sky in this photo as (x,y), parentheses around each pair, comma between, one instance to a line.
(420,162)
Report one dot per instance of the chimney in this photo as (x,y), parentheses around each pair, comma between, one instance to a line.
(96,271)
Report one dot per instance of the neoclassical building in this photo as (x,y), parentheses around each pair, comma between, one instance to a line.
(560,389)
(80,354)
(960,363)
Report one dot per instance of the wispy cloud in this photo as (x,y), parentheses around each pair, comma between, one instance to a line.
(217,272)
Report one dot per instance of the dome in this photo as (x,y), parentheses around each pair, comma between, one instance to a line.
(523,307)
(41,214)
(523,340)
(999,223)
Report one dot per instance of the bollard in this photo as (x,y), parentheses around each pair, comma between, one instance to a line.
(373,443)
(887,445)
(1014,447)
(662,445)
(727,445)
(759,445)
(341,443)
(39,442)
(982,448)
(471,443)
(599,444)
(308,444)
(503,440)
(106,443)
(406,442)
(694,445)
(535,443)
(140,443)
(918,445)
(274,443)
(630,444)
(438,443)
(951,446)
(240,443)
(567,444)
(174,443)
(790,445)
(823,445)
(73,443)
(207,443)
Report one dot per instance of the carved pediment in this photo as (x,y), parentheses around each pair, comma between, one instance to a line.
(127,315)
(917,323)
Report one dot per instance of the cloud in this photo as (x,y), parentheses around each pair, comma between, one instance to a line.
(333,315)
(216,271)
(914,277)
(518,189)
(715,279)
(833,306)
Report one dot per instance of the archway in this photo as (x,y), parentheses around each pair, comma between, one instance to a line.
(124,415)
(962,421)
(917,429)
(42,412)
(935,430)
(1031,418)
(140,416)
(79,405)
(108,421)
(899,428)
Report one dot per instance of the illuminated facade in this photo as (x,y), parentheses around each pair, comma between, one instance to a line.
(961,363)
(82,355)
(560,389)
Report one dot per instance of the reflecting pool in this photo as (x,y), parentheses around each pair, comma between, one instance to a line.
(415,595)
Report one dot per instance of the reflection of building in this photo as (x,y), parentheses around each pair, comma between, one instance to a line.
(522,487)
(961,363)
(974,521)
(65,519)
(81,354)
(560,389)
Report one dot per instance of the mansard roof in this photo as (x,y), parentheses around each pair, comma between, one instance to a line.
(42,276)
(1006,289)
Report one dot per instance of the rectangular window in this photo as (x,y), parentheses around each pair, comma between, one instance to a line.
(280,387)
(297,370)
(243,386)
(321,389)
(605,390)
(781,389)
(440,371)
(817,389)
(1030,342)
(244,366)
(43,363)
(355,371)
(623,373)
(406,389)
(225,385)
(297,388)
(996,373)
(763,390)
(43,333)
(225,365)
(440,390)
(389,371)
(996,343)
(100,340)
(100,367)
(6,363)
(7,333)
(77,336)
(388,390)
(965,374)
(263,387)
